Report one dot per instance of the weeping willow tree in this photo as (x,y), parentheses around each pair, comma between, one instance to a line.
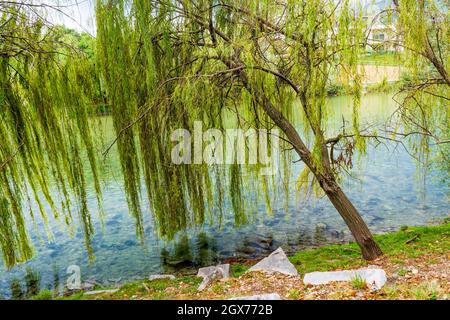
(168,63)
(165,65)
(45,101)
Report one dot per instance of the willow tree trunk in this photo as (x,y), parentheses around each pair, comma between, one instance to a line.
(369,248)
(363,237)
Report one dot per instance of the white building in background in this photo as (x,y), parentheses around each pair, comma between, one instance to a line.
(382,33)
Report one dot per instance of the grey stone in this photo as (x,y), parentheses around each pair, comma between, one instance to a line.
(161,276)
(212,273)
(224,269)
(375,278)
(90,293)
(277,261)
(265,296)
(211,277)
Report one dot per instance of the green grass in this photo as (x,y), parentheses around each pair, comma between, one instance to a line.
(383,87)
(428,291)
(402,272)
(383,59)
(422,240)
(43,295)
(156,289)
(358,282)
(76,296)
(238,269)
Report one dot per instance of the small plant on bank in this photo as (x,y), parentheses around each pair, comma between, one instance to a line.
(402,272)
(359,283)
(238,270)
(294,294)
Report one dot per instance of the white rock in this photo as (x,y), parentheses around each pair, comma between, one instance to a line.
(277,261)
(89,293)
(375,278)
(266,296)
(224,269)
(161,276)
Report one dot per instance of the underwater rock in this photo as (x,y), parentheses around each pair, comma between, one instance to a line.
(277,261)
(337,235)
(270,222)
(321,227)
(260,242)
(222,254)
(54,246)
(373,218)
(130,243)
(317,210)
(264,240)
(373,202)
(181,263)
(246,250)
(112,223)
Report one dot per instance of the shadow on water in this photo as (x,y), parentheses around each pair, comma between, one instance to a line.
(30,284)
(188,252)
(29,287)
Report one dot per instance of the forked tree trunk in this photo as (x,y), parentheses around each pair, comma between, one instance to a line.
(369,248)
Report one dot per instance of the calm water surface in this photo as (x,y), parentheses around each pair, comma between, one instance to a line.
(387,190)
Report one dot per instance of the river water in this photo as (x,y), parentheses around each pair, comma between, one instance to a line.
(388,190)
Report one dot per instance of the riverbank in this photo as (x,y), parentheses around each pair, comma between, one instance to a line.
(416,262)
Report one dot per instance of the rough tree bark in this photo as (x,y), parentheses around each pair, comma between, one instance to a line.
(363,237)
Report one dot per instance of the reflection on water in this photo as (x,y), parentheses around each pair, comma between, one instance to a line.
(385,189)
